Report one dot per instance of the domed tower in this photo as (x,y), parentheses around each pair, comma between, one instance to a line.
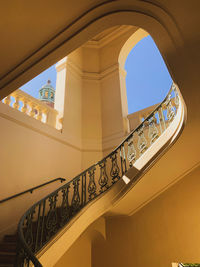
(47,94)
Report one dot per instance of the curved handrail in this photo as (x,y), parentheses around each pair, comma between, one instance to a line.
(46,217)
(189,265)
(30,190)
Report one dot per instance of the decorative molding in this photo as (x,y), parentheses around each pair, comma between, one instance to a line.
(110,71)
(94,76)
(74,68)
(106,39)
(62,64)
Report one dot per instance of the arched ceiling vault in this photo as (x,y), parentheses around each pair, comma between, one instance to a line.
(36,35)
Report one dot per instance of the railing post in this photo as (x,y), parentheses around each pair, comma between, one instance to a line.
(25,106)
(51,117)
(7,100)
(39,115)
(32,111)
(16,104)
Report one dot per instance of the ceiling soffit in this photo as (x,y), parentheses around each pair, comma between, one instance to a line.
(107,36)
(93,18)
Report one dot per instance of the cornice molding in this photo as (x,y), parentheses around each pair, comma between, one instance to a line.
(93,76)
(113,69)
(97,44)
(61,64)
(74,68)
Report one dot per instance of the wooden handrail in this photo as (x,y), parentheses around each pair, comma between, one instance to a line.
(32,189)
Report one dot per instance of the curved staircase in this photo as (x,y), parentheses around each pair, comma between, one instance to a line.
(112,177)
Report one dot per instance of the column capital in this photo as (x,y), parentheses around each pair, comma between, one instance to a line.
(61,64)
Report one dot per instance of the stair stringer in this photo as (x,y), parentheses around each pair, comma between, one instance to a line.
(56,248)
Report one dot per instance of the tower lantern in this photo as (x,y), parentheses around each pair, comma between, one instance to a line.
(47,94)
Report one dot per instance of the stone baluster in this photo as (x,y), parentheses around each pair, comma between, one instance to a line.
(162,118)
(51,117)
(7,100)
(46,113)
(16,103)
(59,121)
(34,108)
(32,111)
(39,115)
(25,106)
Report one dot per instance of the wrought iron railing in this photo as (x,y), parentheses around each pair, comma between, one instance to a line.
(30,190)
(189,264)
(44,219)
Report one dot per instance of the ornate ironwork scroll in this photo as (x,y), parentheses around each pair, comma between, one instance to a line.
(51,221)
(153,131)
(123,159)
(76,201)
(114,173)
(142,142)
(176,95)
(92,185)
(28,229)
(84,198)
(131,155)
(170,109)
(103,179)
(65,208)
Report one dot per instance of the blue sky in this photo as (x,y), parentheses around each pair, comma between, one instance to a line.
(32,87)
(147,80)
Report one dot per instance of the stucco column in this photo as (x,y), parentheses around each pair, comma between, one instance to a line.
(114,126)
(91,107)
(60,90)
(68,98)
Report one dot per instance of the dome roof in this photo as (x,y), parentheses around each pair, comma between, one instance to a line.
(48,85)
(47,94)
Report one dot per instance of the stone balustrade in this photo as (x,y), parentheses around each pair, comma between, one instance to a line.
(137,117)
(31,106)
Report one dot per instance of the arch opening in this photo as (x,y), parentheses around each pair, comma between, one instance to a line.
(147,80)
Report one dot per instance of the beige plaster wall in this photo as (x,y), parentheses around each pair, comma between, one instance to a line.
(79,254)
(164,231)
(32,153)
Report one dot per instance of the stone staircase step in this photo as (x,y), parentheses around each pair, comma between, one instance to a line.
(6,265)
(8,247)
(10,238)
(8,251)
(7,258)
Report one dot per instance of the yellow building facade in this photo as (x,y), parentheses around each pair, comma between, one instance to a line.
(152,222)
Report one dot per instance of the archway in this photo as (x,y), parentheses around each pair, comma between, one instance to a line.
(144,77)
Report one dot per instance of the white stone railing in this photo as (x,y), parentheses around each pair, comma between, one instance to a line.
(138,117)
(31,106)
